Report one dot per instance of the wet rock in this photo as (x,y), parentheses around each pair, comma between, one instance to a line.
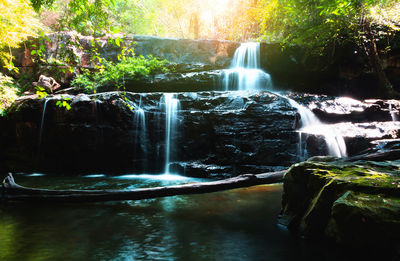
(343,109)
(48,84)
(171,82)
(353,202)
(361,219)
(218,134)
(223,132)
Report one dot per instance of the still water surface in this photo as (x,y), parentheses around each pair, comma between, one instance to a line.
(239,224)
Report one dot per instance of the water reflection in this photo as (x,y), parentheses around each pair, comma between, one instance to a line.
(161,177)
(231,225)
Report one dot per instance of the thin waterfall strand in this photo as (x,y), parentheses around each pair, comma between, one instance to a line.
(139,119)
(171,117)
(392,113)
(42,124)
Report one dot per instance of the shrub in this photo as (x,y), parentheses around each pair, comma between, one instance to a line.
(8,92)
(110,73)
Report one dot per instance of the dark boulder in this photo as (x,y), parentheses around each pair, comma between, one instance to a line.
(354,202)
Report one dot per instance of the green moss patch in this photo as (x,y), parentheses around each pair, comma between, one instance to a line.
(348,201)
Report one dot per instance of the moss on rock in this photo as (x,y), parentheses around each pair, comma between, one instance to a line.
(347,201)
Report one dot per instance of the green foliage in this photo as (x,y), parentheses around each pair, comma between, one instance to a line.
(38,4)
(221,19)
(64,103)
(115,74)
(88,17)
(136,16)
(41,92)
(85,16)
(317,24)
(8,92)
(17,23)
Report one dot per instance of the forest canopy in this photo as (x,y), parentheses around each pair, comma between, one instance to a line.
(289,21)
(317,26)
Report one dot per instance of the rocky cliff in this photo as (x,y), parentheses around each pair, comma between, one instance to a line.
(218,133)
(344,72)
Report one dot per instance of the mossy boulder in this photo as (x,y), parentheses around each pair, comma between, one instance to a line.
(354,203)
(362,219)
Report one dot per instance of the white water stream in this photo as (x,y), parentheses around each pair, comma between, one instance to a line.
(139,120)
(245,75)
(46,100)
(171,104)
(310,124)
(393,113)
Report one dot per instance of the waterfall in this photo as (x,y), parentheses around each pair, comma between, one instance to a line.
(312,125)
(247,56)
(392,113)
(139,120)
(42,124)
(244,73)
(171,104)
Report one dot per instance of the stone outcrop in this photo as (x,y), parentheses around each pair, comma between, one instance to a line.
(226,134)
(173,82)
(356,203)
(219,134)
(188,55)
(345,72)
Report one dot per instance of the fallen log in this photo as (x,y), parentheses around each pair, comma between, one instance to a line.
(14,192)
(378,156)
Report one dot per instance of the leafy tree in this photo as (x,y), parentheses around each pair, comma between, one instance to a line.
(38,4)
(17,22)
(136,16)
(322,24)
(87,17)
(222,19)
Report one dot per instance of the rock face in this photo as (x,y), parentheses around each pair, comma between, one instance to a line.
(356,203)
(344,73)
(185,51)
(218,134)
(188,55)
(173,82)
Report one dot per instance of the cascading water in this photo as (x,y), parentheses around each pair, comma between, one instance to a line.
(244,73)
(392,113)
(171,104)
(139,119)
(312,125)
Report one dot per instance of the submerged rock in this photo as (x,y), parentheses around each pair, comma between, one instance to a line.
(352,202)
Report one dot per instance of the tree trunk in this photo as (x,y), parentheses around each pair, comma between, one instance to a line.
(12,191)
(371,50)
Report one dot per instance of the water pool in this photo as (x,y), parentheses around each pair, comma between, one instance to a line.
(239,224)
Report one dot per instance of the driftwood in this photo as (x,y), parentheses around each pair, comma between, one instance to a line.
(12,191)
